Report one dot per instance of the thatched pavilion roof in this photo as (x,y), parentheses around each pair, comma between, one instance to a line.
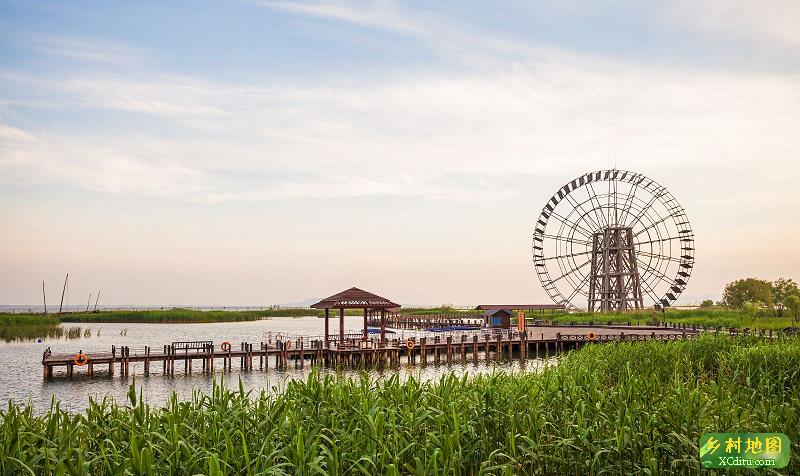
(354,298)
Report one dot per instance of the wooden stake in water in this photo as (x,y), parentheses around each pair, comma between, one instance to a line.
(96,299)
(63,290)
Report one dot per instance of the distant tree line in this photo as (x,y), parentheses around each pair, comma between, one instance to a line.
(758,297)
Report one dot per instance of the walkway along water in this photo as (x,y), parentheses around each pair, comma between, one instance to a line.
(354,351)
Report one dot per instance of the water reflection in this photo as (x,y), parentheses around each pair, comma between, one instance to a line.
(21,379)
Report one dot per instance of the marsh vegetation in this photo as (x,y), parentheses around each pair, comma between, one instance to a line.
(628,408)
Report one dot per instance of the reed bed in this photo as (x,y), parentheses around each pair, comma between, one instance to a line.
(627,408)
(21,327)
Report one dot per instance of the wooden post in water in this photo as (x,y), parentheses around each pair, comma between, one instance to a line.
(366,332)
(449,350)
(63,290)
(124,363)
(383,325)
(326,327)
(341,328)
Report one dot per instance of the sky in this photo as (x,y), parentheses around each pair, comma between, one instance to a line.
(268,152)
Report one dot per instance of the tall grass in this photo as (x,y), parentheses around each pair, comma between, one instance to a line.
(628,408)
(19,327)
(22,327)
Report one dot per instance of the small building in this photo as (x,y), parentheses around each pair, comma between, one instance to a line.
(499,315)
(498,318)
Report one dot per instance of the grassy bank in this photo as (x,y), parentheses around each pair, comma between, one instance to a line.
(38,325)
(715,316)
(175,316)
(14,327)
(620,408)
(25,327)
(182,315)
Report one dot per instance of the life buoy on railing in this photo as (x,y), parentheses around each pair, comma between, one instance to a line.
(80,360)
(288,344)
(591,336)
(410,344)
(225,346)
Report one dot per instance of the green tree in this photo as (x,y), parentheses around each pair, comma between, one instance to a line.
(707,303)
(782,288)
(753,290)
(793,306)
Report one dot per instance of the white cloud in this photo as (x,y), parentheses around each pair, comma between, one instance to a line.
(406,136)
(467,44)
(382,14)
(13,135)
(92,50)
(775,23)
(54,158)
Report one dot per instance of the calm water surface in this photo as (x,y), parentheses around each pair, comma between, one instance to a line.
(21,374)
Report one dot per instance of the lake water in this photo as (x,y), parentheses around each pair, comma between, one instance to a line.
(21,373)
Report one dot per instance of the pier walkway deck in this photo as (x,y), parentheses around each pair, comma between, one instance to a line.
(281,350)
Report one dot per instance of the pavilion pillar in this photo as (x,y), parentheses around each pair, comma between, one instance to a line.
(341,327)
(327,339)
(383,326)
(366,332)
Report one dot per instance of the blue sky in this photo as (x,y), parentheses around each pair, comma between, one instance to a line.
(261,152)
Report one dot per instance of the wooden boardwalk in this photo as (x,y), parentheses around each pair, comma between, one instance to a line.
(354,352)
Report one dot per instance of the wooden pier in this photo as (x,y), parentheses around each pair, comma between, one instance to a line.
(426,321)
(354,351)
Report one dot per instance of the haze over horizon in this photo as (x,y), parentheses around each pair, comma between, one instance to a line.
(263,152)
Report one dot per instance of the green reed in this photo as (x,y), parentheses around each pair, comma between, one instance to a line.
(20,327)
(627,408)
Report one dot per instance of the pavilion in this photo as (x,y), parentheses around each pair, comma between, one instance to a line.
(355,298)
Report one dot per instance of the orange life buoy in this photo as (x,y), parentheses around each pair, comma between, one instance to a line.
(410,344)
(225,346)
(591,336)
(81,359)
(288,344)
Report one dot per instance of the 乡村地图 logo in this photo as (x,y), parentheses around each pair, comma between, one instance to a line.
(744,450)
